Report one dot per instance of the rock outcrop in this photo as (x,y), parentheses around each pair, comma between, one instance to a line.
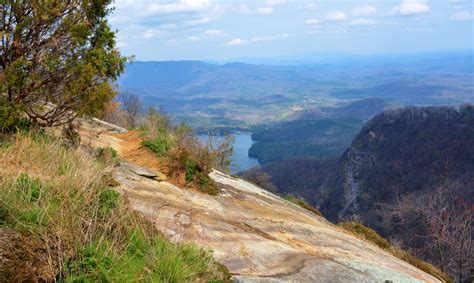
(257,235)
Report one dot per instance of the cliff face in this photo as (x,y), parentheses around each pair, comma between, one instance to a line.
(258,236)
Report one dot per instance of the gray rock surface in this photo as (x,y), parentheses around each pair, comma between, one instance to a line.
(260,237)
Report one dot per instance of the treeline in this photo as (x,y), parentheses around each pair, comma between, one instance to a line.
(319,138)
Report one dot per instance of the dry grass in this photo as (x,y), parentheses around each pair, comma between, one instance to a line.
(302,203)
(59,197)
(372,236)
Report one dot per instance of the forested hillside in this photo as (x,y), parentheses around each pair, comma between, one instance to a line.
(321,138)
(405,168)
(321,132)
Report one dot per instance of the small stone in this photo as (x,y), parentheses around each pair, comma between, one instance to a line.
(139,170)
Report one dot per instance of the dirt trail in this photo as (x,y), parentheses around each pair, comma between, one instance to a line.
(131,150)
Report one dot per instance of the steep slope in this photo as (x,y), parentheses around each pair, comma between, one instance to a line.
(258,236)
(397,152)
(405,151)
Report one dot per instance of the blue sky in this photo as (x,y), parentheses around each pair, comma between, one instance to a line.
(222,30)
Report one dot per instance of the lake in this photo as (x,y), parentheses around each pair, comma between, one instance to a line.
(240,159)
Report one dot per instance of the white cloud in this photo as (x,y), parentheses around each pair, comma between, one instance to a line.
(312,22)
(464,15)
(246,10)
(197,22)
(265,10)
(362,22)
(149,33)
(257,39)
(179,7)
(275,2)
(336,16)
(236,41)
(213,32)
(410,7)
(364,11)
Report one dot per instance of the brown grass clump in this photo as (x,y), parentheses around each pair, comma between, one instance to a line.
(302,203)
(372,236)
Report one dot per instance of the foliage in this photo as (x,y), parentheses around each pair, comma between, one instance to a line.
(382,243)
(221,149)
(190,158)
(187,158)
(57,59)
(318,138)
(153,259)
(65,206)
(444,220)
(114,114)
(161,142)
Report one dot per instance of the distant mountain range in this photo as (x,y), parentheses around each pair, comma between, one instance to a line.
(238,94)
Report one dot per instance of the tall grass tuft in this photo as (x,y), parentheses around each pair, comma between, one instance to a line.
(59,197)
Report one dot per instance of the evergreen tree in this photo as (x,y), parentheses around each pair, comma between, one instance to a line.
(57,60)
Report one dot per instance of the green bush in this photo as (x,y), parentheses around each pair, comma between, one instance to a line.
(22,203)
(161,143)
(194,173)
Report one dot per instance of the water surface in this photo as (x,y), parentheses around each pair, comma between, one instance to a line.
(240,159)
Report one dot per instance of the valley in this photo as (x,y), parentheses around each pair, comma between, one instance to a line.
(237,141)
(344,139)
(239,96)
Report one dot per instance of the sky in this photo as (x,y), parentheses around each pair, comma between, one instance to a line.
(225,30)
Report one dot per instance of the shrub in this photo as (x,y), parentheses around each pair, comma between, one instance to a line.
(372,236)
(191,158)
(160,143)
(188,160)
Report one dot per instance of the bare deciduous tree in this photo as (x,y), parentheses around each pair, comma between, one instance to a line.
(437,226)
(133,107)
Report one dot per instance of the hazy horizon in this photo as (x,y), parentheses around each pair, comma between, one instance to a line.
(209,30)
